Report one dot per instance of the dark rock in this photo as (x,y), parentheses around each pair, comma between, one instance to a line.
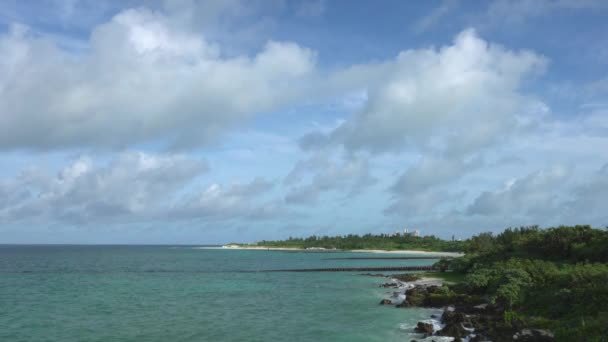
(386,302)
(434,316)
(534,335)
(391,285)
(454,330)
(432,289)
(416,296)
(455,323)
(425,328)
(406,277)
(454,317)
(404,304)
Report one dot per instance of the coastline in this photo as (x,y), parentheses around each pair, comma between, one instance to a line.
(375,251)
(406,251)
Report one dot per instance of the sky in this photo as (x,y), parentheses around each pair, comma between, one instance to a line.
(204,122)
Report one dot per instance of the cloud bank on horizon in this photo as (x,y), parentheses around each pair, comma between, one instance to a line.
(211,121)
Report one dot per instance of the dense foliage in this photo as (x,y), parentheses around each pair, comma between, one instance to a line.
(553,278)
(369,241)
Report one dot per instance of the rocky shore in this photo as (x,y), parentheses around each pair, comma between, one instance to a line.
(464,317)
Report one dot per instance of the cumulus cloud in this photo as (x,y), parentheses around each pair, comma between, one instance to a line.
(321,173)
(589,198)
(458,98)
(431,172)
(427,134)
(134,185)
(533,194)
(449,105)
(142,80)
(425,204)
(238,201)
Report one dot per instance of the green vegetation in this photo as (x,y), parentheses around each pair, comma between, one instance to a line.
(369,241)
(451,277)
(554,278)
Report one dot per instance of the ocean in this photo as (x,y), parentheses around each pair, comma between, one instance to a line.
(171,294)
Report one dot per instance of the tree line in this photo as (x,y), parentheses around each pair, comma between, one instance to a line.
(554,278)
(370,241)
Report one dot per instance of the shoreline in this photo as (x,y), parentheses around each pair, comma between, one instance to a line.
(458,318)
(374,251)
(406,251)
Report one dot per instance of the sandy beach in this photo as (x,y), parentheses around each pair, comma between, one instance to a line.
(454,254)
(379,251)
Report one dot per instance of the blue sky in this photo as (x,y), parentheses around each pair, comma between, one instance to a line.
(214,121)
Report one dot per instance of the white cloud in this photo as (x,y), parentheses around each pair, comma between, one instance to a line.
(457,99)
(432,172)
(424,204)
(589,199)
(238,201)
(532,195)
(421,127)
(142,80)
(321,173)
(132,186)
(450,105)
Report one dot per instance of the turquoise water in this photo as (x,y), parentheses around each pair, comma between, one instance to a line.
(154,293)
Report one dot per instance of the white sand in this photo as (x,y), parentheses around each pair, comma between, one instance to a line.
(262,248)
(454,254)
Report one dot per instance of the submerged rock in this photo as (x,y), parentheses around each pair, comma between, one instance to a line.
(386,302)
(373,274)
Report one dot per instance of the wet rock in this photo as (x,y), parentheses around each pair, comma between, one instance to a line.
(389,285)
(457,324)
(406,277)
(453,317)
(425,328)
(454,330)
(479,338)
(386,302)
(416,296)
(404,304)
(534,335)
